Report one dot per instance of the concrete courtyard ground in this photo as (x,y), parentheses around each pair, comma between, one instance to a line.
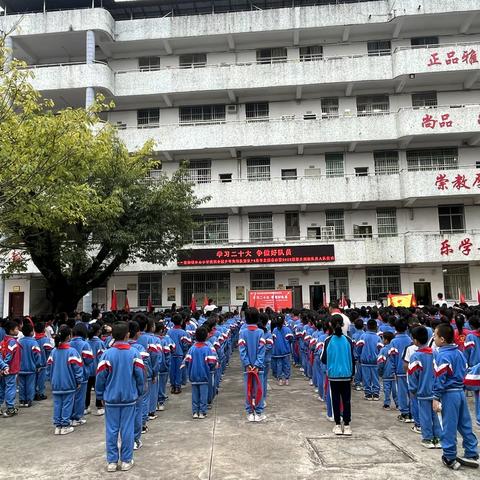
(294,443)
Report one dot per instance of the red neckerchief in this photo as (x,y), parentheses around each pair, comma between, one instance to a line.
(121,346)
(425,350)
(64,346)
(251,328)
(38,336)
(200,344)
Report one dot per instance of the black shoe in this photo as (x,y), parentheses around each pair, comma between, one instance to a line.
(43,397)
(28,404)
(172,390)
(144,429)
(368,397)
(37,397)
(468,462)
(452,464)
(10,412)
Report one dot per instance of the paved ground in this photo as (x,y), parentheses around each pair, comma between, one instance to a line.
(294,443)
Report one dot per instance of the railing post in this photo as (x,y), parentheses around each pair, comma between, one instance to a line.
(90,59)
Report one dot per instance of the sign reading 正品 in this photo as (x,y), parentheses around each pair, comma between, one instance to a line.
(256,255)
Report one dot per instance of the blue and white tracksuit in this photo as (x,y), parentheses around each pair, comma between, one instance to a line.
(30,362)
(386,369)
(182,343)
(396,349)
(450,368)
(8,383)
(321,369)
(268,360)
(86,354)
(120,381)
(356,335)
(97,347)
(420,378)
(282,347)
(472,353)
(200,360)
(368,347)
(66,376)
(46,345)
(164,367)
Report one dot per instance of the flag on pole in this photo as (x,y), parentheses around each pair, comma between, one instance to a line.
(478,296)
(126,307)
(325,304)
(113,306)
(149,305)
(205,300)
(414,300)
(461,296)
(193,304)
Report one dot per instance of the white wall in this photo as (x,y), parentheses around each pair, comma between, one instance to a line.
(24,285)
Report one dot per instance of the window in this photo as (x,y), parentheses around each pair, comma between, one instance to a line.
(260,227)
(289,174)
(214,285)
(420,42)
(387,222)
(149,64)
(372,105)
(432,159)
(381,281)
(377,48)
(308,54)
(451,218)
(202,113)
(200,171)
(272,55)
(330,107)
(386,162)
(292,225)
(149,285)
(193,60)
(225,177)
(262,280)
(334,166)
(148,118)
(362,231)
(456,280)
(338,279)
(211,229)
(424,99)
(314,232)
(257,111)
(258,169)
(335,219)
(361,171)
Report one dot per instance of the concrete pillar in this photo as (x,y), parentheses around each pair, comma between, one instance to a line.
(90,59)
(89,97)
(87,303)
(9,52)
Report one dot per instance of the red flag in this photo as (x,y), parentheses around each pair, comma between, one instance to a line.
(149,304)
(478,296)
(126,307)
(113,306)
(205,300)
(343,302)
(414,300)
(325,304)
(461,296)
(193,304)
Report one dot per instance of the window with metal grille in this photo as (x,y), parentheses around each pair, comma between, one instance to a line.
(258,169)
(338,279)
(149,64)
(456,280)
(424,99)
(214,285)
(361,171)
(329,107)
(424,41)
(378,48)
(381,281)
(193,60)
(373,105)
(148,118)
(451,218)
(202,114)
(149,285)
(200,171)
(335,219)
(211,229)
(263,280)
(432,159)
(386,162)
(334,165)
(387,222)
(257,111)
(289,173)
(292,225)
(272,55)
(260,227)
(314,232)
(312,53)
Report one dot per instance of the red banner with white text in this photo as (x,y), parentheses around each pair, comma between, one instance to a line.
(275,299)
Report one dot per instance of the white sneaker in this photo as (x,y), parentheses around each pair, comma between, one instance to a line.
(126,466)
(347,430)
(58,430)
(337,430)
(330,419)
(137,445)
(264,403)
(260,418)
(77,423)
(316,390)
(280,382)
(201,416)
(251,417)
(310,383)
(161,408)
(99,412)
(112,467)
(320,399)
(87,411)
(287,382)
(195,415)
(66,430)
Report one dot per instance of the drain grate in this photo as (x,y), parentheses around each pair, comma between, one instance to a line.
(357,451)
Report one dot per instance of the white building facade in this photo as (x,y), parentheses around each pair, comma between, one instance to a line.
(339,144)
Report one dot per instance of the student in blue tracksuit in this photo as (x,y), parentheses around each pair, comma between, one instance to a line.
(267,334)
(386,370)
(46,345)
(29,364)
(200,361)
(420,378)
(66,376)
(120,381)
(79,342)
(251,346)
(472,353)
(368,347)
(449,399)
(320,367)
(182,343)
(166,345)
(11,353)
(97,347)
(396,350)
(357,331)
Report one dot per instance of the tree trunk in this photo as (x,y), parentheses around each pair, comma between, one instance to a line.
(64,298)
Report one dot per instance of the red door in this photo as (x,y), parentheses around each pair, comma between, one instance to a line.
(15,304)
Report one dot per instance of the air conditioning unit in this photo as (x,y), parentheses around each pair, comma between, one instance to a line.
(288,117)
(121,126)
(328,233)
(309,116)
(232,109)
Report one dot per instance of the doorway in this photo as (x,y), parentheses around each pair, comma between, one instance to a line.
(15,304)
(316,296)
(297,296)
(423,293)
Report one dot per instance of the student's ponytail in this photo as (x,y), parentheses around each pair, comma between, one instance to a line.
(337,324)
(63,333)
